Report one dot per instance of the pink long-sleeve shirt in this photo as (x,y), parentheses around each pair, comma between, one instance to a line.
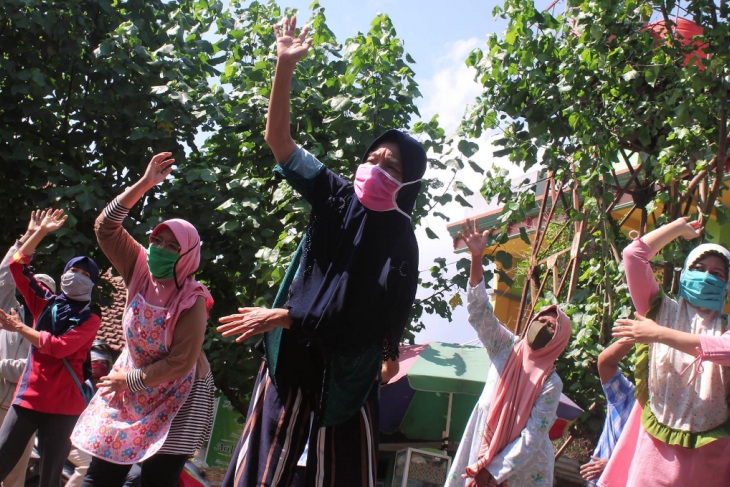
(643,288)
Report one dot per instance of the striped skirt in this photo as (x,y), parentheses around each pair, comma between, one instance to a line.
(278,426)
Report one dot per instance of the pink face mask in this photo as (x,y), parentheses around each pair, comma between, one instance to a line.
(377,190)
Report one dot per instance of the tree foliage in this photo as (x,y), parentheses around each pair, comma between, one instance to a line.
(88,91)
(93,88)
(581,95)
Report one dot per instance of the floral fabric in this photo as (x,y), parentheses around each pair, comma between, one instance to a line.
(528,460)
(133,427)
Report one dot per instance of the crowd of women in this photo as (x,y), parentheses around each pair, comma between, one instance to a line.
(339,316)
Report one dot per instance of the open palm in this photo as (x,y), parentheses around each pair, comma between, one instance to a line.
(53,220)
(475,240)
(159,167)
(289,46)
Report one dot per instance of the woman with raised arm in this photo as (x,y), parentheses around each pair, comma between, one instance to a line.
(345,312)
(682,434)
(47,398)
(156,405)
(506,441)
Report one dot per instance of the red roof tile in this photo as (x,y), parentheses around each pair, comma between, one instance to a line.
(111,316)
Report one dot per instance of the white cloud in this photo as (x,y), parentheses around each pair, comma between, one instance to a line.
(452,86)
(447,93)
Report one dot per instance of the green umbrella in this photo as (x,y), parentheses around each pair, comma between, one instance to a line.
(434,392)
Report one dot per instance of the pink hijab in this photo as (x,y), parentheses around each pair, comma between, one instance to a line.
(176,294)
(518,387)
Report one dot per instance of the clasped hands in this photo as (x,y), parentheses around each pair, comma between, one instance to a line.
(483,479)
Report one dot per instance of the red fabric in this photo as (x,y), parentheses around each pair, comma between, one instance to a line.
(188,480)
(557,429)
(684,31)
(46,385)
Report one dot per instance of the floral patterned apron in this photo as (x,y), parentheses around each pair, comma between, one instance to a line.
(133,427)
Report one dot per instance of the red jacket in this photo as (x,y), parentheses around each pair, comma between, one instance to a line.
(46,385)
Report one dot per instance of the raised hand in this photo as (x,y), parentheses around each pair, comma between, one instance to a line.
(689,230)
(290,48)
(159,167)
(52,220)
(36,216)
(475,241)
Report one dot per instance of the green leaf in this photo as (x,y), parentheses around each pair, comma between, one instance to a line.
(504,258)
(524,237)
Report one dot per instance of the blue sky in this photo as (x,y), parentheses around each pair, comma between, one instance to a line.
(438,35)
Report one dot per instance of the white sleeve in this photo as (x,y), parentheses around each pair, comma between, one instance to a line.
(494,336)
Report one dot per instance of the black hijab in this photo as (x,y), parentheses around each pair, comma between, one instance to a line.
(359,270)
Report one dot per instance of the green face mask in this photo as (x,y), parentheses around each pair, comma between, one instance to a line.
(161,263)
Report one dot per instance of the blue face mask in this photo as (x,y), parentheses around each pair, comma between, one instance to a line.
(702,289)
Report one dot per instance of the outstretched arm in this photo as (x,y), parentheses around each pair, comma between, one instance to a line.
(7,285)
(117,244)
(36,298)
(645,330)
(290,48)
(495,337)
(659,238)
(643,287)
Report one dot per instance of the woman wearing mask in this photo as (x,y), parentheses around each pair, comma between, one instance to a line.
(680,435)
(47,399)
(507,441)
(345,310)
(156,405)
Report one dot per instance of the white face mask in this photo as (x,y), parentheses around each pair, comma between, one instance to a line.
(76,286)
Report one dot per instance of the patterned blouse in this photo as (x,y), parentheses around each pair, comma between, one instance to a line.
(528,460)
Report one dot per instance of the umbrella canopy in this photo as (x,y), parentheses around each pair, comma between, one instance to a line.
(416,401)
(435,390)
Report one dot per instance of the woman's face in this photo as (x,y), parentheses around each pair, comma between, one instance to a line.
(166,240)
(540,332)
(387,157)
(712,264)
(78,270)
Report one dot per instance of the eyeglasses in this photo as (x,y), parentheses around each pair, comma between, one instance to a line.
(165,245)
